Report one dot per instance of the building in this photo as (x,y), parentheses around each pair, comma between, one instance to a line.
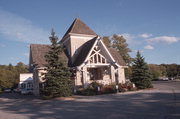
(86,54)
(26,81)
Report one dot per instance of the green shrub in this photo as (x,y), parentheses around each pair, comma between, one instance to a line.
(92,89)
(128,86)
(95,85)
(108,89)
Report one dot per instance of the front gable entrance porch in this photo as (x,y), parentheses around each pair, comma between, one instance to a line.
(98,66)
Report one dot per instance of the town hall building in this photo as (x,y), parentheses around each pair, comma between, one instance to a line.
(85,54)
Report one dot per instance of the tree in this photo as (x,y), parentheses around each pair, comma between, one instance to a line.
(107,41)
(9,75)
(163,70)
(172,70)
(140,73)
(119,42)
(58,83)
(155,71)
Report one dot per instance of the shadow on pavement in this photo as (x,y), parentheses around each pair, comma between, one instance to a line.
(116,106)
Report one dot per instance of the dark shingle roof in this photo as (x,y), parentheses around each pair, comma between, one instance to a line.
(117,57)
(79,27)
(85,49)
(38,51)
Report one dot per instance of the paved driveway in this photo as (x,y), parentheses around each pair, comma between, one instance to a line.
(163,102)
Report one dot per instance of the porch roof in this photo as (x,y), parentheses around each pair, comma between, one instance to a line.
(117,57)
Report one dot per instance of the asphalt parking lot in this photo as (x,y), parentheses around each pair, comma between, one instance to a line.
(162,102)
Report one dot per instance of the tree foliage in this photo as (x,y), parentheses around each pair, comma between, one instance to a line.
(107,41)
(173,70)
(140,73)
(119,42)
(9,74)
(58,83)
(155,71)
(164,70)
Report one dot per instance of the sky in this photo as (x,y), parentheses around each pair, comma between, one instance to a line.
(150,26)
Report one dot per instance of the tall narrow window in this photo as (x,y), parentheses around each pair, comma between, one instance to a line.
(99,58)
(95,59)
(103,60)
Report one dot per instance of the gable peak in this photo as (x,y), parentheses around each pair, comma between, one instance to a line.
(79,27)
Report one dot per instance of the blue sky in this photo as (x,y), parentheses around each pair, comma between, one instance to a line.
(151,26)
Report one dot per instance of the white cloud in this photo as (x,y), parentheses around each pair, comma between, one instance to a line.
(164,39)
(14,27)
(149,47)
(128,37)
(145,35)
(131,39)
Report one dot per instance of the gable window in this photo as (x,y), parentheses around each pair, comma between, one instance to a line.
(97,57)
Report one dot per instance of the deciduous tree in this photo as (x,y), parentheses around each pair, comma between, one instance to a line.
(119,42)
(107,41)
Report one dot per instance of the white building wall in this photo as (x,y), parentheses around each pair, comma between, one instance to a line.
(121,75)
(38,78)
(26,81)
(76,43)
(26,77)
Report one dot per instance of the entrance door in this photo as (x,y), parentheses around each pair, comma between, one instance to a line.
(95,73)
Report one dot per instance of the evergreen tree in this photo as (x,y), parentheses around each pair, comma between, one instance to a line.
(119,42)
(58,83)
(140,73)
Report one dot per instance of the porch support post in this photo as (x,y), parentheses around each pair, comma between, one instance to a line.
(85,83)
(121,75)
(36,82)
(112,74)
(78,79)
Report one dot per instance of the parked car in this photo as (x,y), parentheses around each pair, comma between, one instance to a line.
(16,90)
(26,91)
(165,79)
(7,90)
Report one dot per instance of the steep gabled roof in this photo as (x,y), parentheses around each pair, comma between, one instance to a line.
(79,27)
(38,52)
(85,49)
(117,57)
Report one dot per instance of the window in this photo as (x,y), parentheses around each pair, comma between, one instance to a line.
(23,85)
(99,58)
(95,59)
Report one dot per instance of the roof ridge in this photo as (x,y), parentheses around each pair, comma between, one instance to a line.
(79,27)
(73,24)
(40,44)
